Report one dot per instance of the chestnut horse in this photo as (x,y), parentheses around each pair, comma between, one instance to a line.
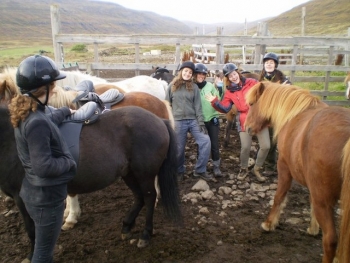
(311,137)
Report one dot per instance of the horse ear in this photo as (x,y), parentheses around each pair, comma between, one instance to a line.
(260,87)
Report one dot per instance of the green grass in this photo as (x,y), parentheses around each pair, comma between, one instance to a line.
(13,56)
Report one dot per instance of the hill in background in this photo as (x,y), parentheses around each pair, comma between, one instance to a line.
(30,21)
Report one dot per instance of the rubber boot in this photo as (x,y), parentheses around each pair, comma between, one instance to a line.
(217,172)
(242,173)
(257,172)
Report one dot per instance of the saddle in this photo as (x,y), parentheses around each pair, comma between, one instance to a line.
(90,107)
(86,93)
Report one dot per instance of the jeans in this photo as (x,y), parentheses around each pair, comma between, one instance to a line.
(213,132)
(203,141)
(48,222)
(246,142)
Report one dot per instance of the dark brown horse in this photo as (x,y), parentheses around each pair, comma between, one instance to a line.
(311,138)
(129,143)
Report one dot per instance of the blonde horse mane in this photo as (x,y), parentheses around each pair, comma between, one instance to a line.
(280,103)
(62,97)
(8,85)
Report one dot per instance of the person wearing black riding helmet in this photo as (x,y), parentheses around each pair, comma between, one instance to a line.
(271,73)
(211,116)
(236,87)
(45,157)
(185,101)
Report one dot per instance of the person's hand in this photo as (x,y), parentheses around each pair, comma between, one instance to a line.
(203,129)
(209,97)
(72,111)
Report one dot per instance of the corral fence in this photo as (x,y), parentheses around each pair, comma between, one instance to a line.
(298,54)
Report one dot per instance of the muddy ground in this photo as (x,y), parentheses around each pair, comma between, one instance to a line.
(224,228)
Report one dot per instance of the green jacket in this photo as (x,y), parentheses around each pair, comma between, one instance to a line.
(208,111)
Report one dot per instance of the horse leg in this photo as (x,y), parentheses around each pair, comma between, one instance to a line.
(314,228)
(280,200)
(72,212)
(156,185)
(229,123)
(324,213)
(129,220)
(143,194)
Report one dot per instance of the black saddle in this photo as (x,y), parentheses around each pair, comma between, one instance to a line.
(86,93)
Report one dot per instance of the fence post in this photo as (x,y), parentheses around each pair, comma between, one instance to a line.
(346,57)
(260,49)
(328,73)
(56,29)
(96,59)
(177,57)
(219,48)
(137,57)
(294,62)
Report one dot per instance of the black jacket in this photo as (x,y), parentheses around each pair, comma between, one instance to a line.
(47,162)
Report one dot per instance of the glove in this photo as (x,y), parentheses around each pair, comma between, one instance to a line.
(203,129)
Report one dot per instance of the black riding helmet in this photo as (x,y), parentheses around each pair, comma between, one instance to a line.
(228,68)
(200,68)
(272,56)
(187,64)
(36,71)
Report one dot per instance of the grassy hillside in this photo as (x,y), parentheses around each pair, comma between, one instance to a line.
(30,20)
(322,17)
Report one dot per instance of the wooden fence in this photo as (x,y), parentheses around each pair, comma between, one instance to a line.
(307,54)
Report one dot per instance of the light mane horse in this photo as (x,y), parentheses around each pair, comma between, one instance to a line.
(313,146)
(142,83)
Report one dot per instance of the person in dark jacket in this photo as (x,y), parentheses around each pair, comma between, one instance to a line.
(47,162)
(236,88)
(271,73)
(185,100)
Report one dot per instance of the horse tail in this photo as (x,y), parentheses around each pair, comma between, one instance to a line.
(167,179)
(170,113)
(343,253)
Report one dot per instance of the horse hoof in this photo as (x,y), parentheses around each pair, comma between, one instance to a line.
(126,236)
(142,243)
(266,227)
(67,226)
(312,232)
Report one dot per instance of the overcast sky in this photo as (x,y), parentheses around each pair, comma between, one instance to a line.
(213,11)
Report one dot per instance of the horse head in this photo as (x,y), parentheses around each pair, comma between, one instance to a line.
(255,121)
(276,104)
